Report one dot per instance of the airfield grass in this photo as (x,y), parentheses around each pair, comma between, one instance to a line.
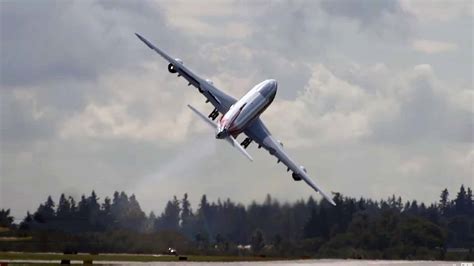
(120,257)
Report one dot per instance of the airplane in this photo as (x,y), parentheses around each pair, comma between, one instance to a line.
(239,116)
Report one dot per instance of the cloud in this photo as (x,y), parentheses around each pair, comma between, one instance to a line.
(403,108)
(85,105)
(433,47)
(130,110)
(382,17)
(35,52)
(438,10)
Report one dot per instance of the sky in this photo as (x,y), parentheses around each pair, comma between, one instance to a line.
(375,98)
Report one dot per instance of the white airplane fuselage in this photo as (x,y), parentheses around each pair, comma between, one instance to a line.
(247,109)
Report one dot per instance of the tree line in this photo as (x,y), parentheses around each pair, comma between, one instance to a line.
(355,228)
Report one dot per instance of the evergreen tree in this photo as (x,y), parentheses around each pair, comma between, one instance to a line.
(135,217)
(72,204)
(27,222)
(106,219)
(169,220)
(461,201)
(186,215)
(444,201)
(203,217)
(470,203)
(6,219)
(305,227)
(257,241)
(83,214)
(64,208)
(45,211)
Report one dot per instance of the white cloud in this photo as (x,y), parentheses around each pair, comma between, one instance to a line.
(192,18)
(433,47)
(330,108)
(355,115)
(413,166)
(144,106)
(438,10)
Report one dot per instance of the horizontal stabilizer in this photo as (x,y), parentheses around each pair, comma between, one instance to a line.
(203,117)
(232,141)
(237,145)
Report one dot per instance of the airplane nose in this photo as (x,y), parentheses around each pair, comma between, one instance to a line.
(270,88)
(273,83)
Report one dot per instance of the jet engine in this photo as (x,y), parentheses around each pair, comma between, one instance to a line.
(171,68)
(296,176)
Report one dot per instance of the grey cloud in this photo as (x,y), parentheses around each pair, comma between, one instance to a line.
(31,173)
(364,10)
(426,109)
(72,40)
(293,29)
(71,55)
(426,113)
(18,123)
(384,17)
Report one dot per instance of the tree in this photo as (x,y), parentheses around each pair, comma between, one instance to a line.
(461,201)
(135,217)
(83,214)
(310,229)
(93,202)
(169,219)
(27,221)
(106,219)
(355,228)
(444,201)
(186,215)
(64,208)
(417,232)
(93,209)
(470,203)
(73,206)
(257,241)
(45,211)
(5,219)
(203,218)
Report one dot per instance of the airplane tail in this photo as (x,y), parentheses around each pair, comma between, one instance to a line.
(231,140)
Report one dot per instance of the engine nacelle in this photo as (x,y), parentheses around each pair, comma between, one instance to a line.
(171,68)
(296,177)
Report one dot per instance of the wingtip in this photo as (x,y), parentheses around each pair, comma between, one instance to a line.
(331,201)
(145,41)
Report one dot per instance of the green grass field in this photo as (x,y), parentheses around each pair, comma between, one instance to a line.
(118,257)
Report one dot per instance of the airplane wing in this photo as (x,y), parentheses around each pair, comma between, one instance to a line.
(221,101)
(259,133)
